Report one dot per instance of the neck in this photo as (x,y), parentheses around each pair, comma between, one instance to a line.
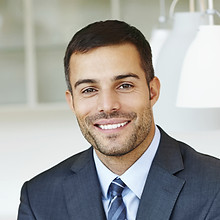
(119,164)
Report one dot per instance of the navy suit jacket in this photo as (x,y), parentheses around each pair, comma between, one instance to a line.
(182,185)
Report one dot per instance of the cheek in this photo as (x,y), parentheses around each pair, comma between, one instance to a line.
(136,102)
(83,107)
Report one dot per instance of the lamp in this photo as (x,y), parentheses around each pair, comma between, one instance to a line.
(168,69)
(159,35)
(200,77)
(199,85)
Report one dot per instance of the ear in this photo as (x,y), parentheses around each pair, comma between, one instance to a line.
(69,99)
(154,90)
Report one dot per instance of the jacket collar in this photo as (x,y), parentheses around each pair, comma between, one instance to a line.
(82,189)
(162,186)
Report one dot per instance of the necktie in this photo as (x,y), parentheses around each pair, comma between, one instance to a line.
(117,209)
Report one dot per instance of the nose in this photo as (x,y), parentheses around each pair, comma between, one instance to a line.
(108,101)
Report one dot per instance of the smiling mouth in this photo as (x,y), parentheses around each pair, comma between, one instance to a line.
(111,126)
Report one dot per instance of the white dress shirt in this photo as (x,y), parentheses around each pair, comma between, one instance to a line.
(134,178)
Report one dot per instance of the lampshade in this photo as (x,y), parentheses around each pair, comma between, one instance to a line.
(158,38)
(200,76)
(159,34)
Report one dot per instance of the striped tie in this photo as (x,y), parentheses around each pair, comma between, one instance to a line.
(117,209)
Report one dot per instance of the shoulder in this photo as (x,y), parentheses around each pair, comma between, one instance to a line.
(198,164)
(57,173)
(195,164)
(200,174)
(41,194)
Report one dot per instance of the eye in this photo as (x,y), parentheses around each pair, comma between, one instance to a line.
(125,86)
(89,90)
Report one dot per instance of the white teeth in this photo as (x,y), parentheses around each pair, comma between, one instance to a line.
(112,126)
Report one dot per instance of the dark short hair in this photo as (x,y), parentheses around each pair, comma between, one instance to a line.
(106,33)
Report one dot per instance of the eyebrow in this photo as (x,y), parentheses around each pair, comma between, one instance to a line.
(123,76)
(81,81)
(118,77)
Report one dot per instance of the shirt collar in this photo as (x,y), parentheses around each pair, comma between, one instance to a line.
(105,175)
(135,177)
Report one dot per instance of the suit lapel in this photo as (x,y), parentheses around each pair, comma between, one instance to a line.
(82,190)
(159,196)
(83,193)
(162,186)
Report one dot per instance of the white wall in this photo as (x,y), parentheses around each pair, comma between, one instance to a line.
(32,141)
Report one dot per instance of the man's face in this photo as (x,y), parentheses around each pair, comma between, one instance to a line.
(111,98)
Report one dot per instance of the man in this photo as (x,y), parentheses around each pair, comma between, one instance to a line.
(111,90)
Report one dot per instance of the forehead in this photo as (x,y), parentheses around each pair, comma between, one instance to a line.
(105,62)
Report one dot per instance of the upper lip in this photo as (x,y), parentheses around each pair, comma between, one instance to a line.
(111,121)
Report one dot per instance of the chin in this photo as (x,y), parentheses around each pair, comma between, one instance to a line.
(115,152)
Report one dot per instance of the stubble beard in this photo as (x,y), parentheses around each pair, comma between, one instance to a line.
(136,137)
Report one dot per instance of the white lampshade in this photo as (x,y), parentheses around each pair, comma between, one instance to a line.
(200,77)
(158,38)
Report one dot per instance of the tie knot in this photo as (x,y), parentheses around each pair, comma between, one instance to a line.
(116,187)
